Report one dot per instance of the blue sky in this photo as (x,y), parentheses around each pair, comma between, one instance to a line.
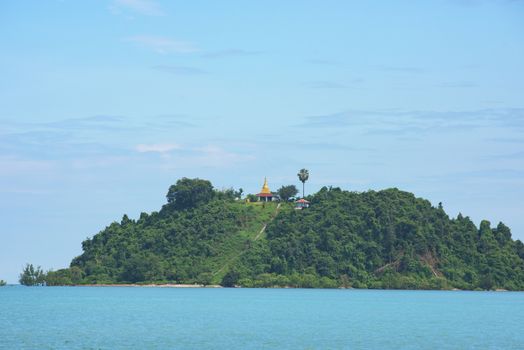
(104,104)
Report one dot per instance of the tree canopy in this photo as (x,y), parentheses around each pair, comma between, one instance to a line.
(286,192)
(373,239)
(188,193)
(303,176)
(388,239)
(32,276)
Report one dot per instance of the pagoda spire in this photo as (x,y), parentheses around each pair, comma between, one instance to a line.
(265,188)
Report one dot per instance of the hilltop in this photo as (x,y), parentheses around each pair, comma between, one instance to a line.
(373,239)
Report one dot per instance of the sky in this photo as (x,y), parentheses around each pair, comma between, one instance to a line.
(105,104)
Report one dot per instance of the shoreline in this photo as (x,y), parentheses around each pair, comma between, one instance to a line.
(150,285)
(182,285)
(173,285)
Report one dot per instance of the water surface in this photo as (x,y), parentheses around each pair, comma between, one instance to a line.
(169,318)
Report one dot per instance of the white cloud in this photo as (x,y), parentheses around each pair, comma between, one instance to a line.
(157,147)
(162,44)
(144,7)
(217,157)
(190,157)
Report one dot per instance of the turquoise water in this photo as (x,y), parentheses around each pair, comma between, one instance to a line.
(168,318)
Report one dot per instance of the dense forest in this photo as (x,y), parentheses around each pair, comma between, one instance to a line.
(374,239)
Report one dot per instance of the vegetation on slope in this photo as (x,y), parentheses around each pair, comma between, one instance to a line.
(190,240)
(384,239)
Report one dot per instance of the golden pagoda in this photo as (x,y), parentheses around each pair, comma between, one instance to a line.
(265,194)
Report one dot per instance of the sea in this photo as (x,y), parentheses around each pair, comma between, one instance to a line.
(224,318)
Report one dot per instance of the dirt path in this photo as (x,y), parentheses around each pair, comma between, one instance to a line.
(261,232)
(257,237)
(263,229)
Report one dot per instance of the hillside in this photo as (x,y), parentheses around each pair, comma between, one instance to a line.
(383,239)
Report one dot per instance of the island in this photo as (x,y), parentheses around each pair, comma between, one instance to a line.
(334,238)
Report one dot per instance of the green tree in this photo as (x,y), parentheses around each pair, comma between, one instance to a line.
(228,194)
(503,234)
(252,198)
(2,283)
(205,278)
(143,268)
(230,279)
(303,176)
(189,193)
(519,248)
(32,276)
(286,192)
(62,277)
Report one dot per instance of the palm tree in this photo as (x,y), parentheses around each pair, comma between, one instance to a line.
(303,175)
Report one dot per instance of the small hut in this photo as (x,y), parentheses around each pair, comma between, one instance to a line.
(301,204)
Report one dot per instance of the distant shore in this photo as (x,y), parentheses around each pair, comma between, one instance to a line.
(173,285)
